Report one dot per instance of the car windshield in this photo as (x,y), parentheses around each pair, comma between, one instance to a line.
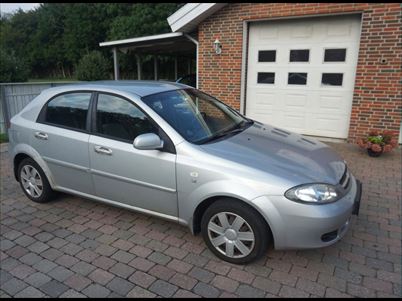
(198,117)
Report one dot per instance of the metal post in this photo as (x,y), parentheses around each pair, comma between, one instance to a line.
(196,56)
(175,68)
(155,67)
(189,66)
(138,67)
(116,64)
(4,104)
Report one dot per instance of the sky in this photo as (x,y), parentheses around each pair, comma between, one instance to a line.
(6,8)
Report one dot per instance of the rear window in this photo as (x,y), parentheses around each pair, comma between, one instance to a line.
(68,110)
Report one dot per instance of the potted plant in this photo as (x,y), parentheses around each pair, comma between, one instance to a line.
(378,142)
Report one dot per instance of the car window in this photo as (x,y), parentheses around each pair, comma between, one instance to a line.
(193,114)
(120,119)
(68,110)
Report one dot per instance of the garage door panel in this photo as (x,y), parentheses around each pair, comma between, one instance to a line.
(302,31)
(295,102)
(322,105)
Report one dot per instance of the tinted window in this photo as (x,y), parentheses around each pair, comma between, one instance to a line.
(69,110)
(332,79)
(266,78)
(297,78)
(121,119)
(301,55)
(267,56)
(335,55)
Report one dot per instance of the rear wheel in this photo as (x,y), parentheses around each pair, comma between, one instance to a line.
(235,232)
(33,181)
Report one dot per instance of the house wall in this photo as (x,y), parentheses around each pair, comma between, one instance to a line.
(378,85)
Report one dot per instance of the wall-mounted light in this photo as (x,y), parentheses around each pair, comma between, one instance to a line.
(217,47)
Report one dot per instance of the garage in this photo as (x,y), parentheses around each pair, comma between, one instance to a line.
(301,73)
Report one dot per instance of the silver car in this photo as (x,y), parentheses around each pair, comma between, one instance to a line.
(172,151)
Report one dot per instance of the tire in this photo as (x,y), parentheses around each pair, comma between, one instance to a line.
(225,236)
(29,170)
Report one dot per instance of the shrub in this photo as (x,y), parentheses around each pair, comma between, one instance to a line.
(93,66)
(12,69)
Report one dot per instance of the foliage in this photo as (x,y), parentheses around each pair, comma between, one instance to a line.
(93,66)
(12,69)
(3,138)
(143,19)
(377,141)
(54,37)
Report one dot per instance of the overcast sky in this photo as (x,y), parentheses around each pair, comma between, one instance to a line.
(12,7)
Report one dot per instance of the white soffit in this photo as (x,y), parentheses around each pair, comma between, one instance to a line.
(142,39)
(187,18)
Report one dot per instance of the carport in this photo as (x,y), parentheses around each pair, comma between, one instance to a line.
(176,44)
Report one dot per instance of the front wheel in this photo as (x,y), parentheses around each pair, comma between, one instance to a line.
(235,232)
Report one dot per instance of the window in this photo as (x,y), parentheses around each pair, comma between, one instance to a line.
(197,117)
(120,119)
(297,78)
(267,56)
(266,78)
(335,55)
(301,55)
(332,79)
(68,110)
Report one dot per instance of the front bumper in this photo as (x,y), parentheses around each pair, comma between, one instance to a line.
(356,206)
(304,226)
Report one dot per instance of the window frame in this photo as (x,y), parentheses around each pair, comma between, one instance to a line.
(299,62)
(268,62)
(332,86)
(259,83)
(168,143)
(335,62)
(42,114)
(300,85)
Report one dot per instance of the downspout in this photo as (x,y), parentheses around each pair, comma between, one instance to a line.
(196,55)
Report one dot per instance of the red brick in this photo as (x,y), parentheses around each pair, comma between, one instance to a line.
(221,75)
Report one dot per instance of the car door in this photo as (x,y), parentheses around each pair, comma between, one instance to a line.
(61,138)
(143,179)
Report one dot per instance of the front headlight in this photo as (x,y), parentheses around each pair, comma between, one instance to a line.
(313,193)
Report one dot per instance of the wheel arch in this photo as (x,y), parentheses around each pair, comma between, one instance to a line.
(203,205)
(22,151)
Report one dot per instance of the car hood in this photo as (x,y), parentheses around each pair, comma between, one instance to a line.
(281,153)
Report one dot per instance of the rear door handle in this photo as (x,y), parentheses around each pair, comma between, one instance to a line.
(41,135)
(103,150)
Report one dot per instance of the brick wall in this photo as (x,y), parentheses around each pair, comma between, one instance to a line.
(377,101)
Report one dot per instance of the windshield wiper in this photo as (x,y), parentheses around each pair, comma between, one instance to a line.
(240,127)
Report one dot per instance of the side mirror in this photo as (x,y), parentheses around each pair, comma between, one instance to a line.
(148,142)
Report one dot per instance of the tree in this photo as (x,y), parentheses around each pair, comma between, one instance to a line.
(54,37)
(12,69)
(93,66)
(143,19)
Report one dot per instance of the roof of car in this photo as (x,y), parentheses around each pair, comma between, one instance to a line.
(138,87)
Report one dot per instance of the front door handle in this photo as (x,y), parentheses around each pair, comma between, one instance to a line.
(41,135)
(103,150)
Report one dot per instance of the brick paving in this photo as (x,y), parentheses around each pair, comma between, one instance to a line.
(73,247)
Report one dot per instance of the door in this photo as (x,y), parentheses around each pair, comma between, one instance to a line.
(140,178)
(61,138)
(301,74)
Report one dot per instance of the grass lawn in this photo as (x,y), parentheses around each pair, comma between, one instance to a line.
(3,138)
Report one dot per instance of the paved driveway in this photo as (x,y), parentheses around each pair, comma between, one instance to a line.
(76,247)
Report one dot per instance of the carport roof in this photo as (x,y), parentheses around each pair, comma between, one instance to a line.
(175,43)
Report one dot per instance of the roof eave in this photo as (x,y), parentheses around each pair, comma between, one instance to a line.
(187,18)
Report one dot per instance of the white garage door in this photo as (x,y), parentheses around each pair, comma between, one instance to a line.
(301,74)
